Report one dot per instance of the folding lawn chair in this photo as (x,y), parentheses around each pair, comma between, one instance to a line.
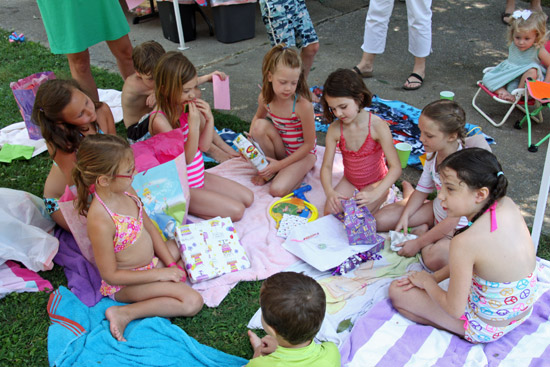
(517,93)
(540,92)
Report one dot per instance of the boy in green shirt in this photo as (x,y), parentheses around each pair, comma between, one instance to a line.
(293,308)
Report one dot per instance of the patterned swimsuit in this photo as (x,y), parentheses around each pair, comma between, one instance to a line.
(127,231)
(290,129)
(497,301)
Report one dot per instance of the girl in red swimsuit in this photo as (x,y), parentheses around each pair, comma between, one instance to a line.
(284,124)
(371,163)
(136,265)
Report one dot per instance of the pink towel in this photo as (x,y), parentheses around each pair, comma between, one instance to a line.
(257,229)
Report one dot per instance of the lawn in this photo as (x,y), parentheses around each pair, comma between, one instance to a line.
(23,318)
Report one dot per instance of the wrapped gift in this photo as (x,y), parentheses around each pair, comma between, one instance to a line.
(211,248)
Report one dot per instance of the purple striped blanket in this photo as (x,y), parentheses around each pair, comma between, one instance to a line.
(382,337)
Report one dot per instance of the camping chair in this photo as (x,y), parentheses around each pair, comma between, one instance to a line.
(539,91)
(517,93)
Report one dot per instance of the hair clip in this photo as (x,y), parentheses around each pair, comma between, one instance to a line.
(40,109)
(499,173)
(525,14)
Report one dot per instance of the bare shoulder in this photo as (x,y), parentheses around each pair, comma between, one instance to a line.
(379,127)
(333,131)
(303,104)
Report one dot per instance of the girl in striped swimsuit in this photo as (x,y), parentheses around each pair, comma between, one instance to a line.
(365,141)
(176,86)
(284,125)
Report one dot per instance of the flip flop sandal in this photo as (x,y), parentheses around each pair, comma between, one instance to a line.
(363,74)
(505,15)
(417,83)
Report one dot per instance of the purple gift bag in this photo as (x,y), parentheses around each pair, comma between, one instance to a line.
(360,224)
(24,91)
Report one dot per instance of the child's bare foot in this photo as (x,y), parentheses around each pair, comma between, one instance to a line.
(420,230)
(502,93)
(118,321)
(408,189)
(258,180)
(218,154)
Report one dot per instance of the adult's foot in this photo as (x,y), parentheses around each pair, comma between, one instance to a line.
(118,321)
(413,82)
(363,73)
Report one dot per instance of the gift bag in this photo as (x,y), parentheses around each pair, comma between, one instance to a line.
(360,224)
(161,181)
(78,224)
(24,91)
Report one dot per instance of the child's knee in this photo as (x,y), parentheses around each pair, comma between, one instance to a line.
(236,212)
(248,198)
(432,258)
(278,190)
(259,128)
(395,293)
(193,303)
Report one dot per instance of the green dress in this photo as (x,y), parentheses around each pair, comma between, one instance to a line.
(74,25)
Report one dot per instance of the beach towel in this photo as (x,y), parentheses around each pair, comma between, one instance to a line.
(257,229)
(80,336)
(14,278)
(382,337)
(83,278)
(351,295)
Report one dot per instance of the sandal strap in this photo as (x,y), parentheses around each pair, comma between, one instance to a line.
(416,76)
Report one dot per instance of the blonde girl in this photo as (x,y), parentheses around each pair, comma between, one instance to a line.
(284,125)
(492,263)
(442,133)
(365,141)
(176,84)
(135,264)
(526,55)
(66,114)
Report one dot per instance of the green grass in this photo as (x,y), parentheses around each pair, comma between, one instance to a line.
(23,318)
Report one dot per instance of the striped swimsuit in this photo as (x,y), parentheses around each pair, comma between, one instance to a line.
(195,169)
(290,130)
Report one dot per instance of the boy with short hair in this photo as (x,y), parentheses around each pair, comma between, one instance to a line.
(138,98)
(293,308)
(138,92)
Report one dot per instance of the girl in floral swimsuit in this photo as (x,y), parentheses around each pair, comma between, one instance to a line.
(492,263)
(136,265)
(365,141)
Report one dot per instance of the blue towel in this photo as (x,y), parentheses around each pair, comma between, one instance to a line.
(80,336)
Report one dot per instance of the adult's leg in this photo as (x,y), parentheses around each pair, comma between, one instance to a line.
(376,30)
(308,55)
(79,63)
(419,16)
(122,51)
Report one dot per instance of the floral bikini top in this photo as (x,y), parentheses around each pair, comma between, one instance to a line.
(127,228)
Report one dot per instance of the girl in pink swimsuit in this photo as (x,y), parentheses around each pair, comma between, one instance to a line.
(371,164)
(136,265)
(176,84)
(284,124)
(492,263)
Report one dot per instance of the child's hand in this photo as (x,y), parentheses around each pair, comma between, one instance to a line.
(205,110)
(194,117)
(409,248)
(221,74)
(173,274)
(403,224)
(405,283)
(151,100)
(334,201)
(364,198)
(420,279)
(272,168)
(262,347)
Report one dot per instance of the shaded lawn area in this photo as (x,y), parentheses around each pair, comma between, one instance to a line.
(23,318)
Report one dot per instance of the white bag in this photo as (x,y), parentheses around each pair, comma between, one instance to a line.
(25,230)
